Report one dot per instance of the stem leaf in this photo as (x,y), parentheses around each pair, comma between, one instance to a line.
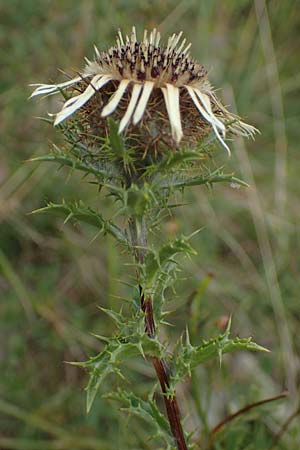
(82,213)
(187,357)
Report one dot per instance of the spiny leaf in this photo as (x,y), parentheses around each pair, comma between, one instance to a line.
(146,410)
(179,245)
(196,181)
(160,268)
(84,214)
(214,177)
(165,279)
(127,326)
(118,318)
(155,261)
(139,199)
(187,357)
(62,159)
(117,350)
(175,159)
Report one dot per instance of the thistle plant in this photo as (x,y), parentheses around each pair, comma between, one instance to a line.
(142,122)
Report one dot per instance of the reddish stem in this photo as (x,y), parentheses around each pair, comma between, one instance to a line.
(139,241)
(162,373)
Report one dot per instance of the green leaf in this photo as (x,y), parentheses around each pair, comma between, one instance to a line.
(165,279)
(155,261)
(82,213)
(63,160)
(146,410)
(174,160)
(179,245)
(196,181)
(187,357)
(208,179)
(116,139)
(139,200)
(131,341)
(110,359)
(160,268)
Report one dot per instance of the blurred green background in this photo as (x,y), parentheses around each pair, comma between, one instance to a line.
(53,276)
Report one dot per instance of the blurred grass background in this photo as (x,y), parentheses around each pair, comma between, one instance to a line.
(52,277)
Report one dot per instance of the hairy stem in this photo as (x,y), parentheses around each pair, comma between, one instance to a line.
(138,232)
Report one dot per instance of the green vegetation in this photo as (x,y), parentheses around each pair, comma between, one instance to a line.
(53,276)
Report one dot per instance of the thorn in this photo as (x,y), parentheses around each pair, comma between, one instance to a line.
(228,327)
(101,338)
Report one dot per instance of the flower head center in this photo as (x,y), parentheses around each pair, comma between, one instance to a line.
(149,61)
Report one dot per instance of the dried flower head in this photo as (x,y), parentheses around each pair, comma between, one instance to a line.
(146,85)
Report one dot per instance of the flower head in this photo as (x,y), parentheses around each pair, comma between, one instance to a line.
(146,85)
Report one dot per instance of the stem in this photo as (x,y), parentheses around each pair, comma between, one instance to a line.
(244,410)
(138,233)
